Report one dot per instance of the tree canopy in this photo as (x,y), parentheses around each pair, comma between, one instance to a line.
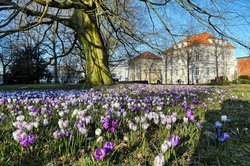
(28,66)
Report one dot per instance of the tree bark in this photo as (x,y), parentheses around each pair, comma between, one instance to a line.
(97,70)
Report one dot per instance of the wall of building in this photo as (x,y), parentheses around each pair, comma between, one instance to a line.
(243,66)
(146,70)
(202,65)
(120,72)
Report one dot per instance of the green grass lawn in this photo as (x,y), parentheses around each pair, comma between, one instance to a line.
(39,86)
(196,147)
(236,151)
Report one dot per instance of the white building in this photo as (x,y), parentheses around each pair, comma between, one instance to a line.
(201,57)
(120,72)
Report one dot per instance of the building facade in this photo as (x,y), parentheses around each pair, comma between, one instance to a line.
(199,59)
(243,66)
(120,72)
(146,67)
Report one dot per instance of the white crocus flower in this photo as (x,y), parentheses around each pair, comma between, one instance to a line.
(164,148)
(116,105)
(125,138)
(99,139)
(134,127)
(35,124)
(185,120)
(29,126)
(20,118)
(65,123)
(145,126)
(60,123)
(168,143)
(19,135)
(224,118)
(137,119)
(156,119)
(143,119)
(159,160)
(61,113)
(98,132)
(130,124)
(83,131)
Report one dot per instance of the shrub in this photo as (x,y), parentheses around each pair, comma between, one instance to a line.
(212,81)
(234,81)
(244,81)
(244,77)
(82,81)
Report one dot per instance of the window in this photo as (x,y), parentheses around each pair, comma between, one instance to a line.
(176,72)
(208,57)
(113,75)
(222,72)
(182,72)
(208,71)
(222,57)
(197,57)
(196,71)
(139,72)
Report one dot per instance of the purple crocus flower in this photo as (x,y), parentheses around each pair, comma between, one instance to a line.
(204,105)
(99,154)
(217,125)
(191,118)
(49,112)
(24,142)
(184,104)
(115,122)
(224,137)
(105,123)
(192,107)
(112,129)
(108,146)
(174,140)
(189,113)
(31,139)
(57,134)
(68,133)
(199,125)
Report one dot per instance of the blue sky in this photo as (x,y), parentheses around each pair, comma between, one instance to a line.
(235,22)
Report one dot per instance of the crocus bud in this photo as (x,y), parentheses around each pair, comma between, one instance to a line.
(98,132)
(224,118)
(159,160)
(217,125)
(185,120)
(164,148)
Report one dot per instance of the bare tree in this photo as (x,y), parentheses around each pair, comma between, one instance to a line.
(86,17)
(6,54)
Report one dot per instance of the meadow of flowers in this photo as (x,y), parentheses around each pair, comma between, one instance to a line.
(122,125)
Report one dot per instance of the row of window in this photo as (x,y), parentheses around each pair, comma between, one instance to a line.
(208,71)
(207,57)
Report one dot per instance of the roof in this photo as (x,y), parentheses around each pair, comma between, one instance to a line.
(148,55)
(202,38)
(246,57)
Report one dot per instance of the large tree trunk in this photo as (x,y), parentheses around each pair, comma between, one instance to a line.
(97,70)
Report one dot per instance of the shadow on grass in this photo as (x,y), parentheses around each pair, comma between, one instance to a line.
(233,152)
